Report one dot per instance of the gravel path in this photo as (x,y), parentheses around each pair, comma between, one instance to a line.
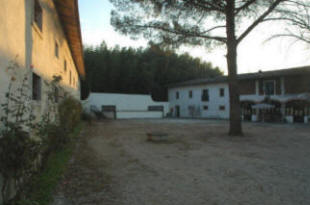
(197,164)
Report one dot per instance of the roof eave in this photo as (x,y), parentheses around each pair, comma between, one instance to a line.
(69,16)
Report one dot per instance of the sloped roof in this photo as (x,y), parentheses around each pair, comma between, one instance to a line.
(246,76)
(69,16)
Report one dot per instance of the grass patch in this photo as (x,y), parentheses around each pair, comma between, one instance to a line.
(42,186)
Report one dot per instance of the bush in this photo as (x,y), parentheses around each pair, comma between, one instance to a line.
(69,111)
(87,117)
(57,137)
(17,155)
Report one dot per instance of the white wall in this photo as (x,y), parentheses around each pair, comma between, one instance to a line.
(127,105)
(213,104)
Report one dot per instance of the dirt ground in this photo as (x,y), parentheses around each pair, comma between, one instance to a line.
(197,164)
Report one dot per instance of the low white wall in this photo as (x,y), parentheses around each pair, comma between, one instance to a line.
(140,114)
(127,105)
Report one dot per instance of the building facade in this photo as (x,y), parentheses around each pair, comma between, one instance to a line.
(125,106)
(280,95)
(40,39)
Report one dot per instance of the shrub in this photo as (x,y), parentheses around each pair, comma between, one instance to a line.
(17,154)
(87,117)
(69,111)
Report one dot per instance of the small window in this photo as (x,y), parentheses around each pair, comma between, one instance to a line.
(155,108)
(70,78)
(190,94)
(38,14)
(222,92)
(269,87)
(56,95)
(222,107)
(205,95)
(56,50)
(65,65)
(177,95)
(205,107)
(36,87)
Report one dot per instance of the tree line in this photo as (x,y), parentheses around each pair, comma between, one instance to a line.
(140,71)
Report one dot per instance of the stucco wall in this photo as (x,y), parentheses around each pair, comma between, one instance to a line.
(33,50)
(127,105)
(215,101)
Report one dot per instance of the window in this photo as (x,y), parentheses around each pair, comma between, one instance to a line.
(36,87)
(56,50)
(205,95)
(56,95)
(205,107)
(177,95)
(38,14)
(155,108)
(190,94)
(65,65)
(221,107)
(269,87)
(70,78)
(222,92)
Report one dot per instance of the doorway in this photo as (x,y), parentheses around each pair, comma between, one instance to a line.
(177,111)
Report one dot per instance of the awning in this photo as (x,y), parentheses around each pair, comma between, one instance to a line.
(262,106)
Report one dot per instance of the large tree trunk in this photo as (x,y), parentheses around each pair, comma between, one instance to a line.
(235,128)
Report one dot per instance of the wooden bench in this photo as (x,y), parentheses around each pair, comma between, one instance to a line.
(156,135)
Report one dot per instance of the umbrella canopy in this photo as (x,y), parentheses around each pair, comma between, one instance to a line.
(304,96)
(262,106)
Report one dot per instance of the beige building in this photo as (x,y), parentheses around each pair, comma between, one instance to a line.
(40,39)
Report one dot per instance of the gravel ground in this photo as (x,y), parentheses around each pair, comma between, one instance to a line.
(197,164)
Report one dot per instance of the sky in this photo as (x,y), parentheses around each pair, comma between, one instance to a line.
(254,53)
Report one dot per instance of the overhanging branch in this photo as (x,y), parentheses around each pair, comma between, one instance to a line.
(184,33)
(259,20)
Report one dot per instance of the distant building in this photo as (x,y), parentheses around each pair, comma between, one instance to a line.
(125,106)
(42,39)
(279,95)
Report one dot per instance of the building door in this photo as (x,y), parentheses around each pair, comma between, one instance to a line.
(177,111)
(109,111)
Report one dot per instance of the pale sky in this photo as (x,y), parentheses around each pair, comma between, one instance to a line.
(253,53)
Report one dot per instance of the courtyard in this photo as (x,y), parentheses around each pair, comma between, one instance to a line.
(197,163)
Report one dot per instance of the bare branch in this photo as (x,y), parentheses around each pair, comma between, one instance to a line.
(259,20)
(246,5)
(213,28)
(184,33)
(290,35)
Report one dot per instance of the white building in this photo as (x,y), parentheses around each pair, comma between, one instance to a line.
(281,95)
(125,106)
(207,100)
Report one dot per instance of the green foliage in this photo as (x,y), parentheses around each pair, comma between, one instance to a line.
(87,117)
(42,186)
(69,111)
(17,155)
(143,71)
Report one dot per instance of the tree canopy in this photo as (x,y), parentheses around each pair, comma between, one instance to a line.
(141,71)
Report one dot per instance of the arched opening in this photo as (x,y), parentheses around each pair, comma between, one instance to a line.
(298,109)
(269,111)
(246,109)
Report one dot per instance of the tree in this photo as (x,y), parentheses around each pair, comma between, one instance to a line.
(200,22)
(143,71)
